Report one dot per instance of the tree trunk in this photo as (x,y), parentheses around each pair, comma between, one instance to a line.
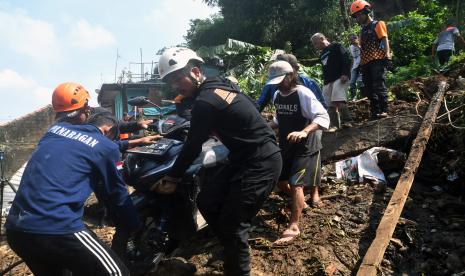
(399,6)
(457,13)
(345,19)
(393,132)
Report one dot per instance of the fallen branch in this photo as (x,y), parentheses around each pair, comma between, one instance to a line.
(386,227)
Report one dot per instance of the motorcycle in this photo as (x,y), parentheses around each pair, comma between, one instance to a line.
(167,219)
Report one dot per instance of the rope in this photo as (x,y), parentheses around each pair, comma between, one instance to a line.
(452,110)
(448,115)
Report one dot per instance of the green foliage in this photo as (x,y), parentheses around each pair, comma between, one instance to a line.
(411,35)
(420,67)
(288,24)
(457,61)
(206,32)
(252,72)
(245,61)
(315,72)
(281,24)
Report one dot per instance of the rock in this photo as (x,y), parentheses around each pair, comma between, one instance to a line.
(437,188)
(426,249)
(455,226)
(259,230)
(255,272)
(357,219)
(425,266)
(340,213)
(330,269)
(448,242)
(357,199)
(461,250)
(398,243)
(379,187)
(441,203)
(386,263)
(175,267)
(392,178)
(454,263)
(460,82)
(404,221)
(403,249)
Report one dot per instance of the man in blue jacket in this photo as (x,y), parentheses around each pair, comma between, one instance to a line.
(269,89)
(44,225)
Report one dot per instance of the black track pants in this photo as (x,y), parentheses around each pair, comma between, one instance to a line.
(82,253)
(374,77)
(230,201)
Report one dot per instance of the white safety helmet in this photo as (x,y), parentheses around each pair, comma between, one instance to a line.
(174,59)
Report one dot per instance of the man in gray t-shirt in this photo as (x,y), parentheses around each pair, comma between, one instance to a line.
(444,44)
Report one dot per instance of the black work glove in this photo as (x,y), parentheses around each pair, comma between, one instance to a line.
(390,65)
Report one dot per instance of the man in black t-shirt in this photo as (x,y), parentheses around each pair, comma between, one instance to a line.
(230,201)
(336,74)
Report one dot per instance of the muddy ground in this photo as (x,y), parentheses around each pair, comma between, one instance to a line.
(428,240)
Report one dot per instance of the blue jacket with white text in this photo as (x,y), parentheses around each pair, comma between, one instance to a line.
(69,163)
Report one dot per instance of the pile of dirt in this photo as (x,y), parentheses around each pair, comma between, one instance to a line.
(429,238)
(332,240)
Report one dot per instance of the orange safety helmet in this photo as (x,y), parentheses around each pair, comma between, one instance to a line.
(69,96)
(358,6)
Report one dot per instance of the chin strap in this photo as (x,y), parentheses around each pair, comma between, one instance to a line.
(196,82)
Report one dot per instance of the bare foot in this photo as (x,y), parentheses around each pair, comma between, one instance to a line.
(288,235)
(306,206)
(315,200)
(317,204)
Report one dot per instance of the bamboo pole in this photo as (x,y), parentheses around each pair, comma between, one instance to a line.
(386,227)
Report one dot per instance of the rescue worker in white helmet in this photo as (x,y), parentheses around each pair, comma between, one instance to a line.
(230,201)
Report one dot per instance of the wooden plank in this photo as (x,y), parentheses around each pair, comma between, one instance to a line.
(375,253)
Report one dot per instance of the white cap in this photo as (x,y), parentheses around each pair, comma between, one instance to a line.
(278,71)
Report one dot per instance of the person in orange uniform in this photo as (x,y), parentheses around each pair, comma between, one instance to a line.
(375,55)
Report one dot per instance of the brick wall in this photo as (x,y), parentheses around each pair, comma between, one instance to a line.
(19,137)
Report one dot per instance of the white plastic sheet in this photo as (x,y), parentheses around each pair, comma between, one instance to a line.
(363,167)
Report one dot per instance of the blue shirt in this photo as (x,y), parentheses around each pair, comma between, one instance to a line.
(269,90)
(69,163)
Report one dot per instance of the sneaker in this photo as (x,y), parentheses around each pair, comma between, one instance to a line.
(331,129)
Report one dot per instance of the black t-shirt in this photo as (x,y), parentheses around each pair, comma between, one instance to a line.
(293,113)
(221,109)
(336,62)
